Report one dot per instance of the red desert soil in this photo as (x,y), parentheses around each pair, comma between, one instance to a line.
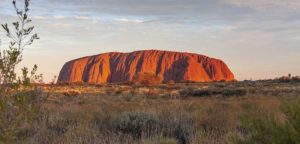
(118,67)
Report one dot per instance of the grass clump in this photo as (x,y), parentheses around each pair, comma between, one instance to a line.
(292,111)
(135,124)
(268,129)
(168,141)
(179,126)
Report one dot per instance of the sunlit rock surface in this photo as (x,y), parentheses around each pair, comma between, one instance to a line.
(118,67)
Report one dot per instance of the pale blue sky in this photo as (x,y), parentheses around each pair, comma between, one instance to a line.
(256,38)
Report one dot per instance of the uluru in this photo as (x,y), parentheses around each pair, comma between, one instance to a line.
(116,67)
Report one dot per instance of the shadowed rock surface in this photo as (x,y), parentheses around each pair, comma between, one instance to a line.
(118,67)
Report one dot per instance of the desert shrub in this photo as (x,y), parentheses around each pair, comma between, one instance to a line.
(220,84)
(171,82)
(71,93)
(181,134)
(18,107)
(234,92)
(135,124)
(102,120)
(216,123)
(147,79)
(199,92)
(286,79)
(17,114)
(267,130)
(58,124)
(185,92)
(212,92)
(179,126)
(60,127)
(152,93)
(296,79)
(118,92)
(168,141)
(205,92)
(292,111)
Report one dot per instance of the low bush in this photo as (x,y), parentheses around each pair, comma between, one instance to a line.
(144,125)
(292,111)
(135,124)
(179,126)
(212,92)
(267,129)
(17,113)
(147,79)
(168,141)
(171,82)
(71,93)
(234,92)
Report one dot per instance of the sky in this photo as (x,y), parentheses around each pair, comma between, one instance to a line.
(257,39)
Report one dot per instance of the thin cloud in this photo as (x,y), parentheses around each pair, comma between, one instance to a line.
(82,17)
(39,17)
(125,20)
(62,25)
(266,4)
(59,17)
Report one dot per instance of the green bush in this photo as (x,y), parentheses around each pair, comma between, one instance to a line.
(18,107)
(168,141)
(136,124)
(234,92)
(212,92)
(292,111)
(267,130)
(179,126)
(16,114)
(59,124)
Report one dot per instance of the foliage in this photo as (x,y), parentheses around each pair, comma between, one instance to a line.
(96,117)
(16,114)
(20,37)
(171,82)
(33,78)
(147,79)
(178,126)
(135,124)
(212,92)
(266,129)
(168,141)
(18,107)
(292,111)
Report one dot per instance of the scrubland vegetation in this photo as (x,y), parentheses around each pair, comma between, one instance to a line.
(144,112)
(237,112)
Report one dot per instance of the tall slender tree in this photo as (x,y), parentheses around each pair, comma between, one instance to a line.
(20,36)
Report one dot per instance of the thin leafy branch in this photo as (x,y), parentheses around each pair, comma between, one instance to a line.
(20,36)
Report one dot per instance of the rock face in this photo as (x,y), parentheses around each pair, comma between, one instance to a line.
(122,67)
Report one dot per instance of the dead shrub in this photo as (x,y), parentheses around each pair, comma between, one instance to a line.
(71,93)
(171,82)
(147,79)
(212,92)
